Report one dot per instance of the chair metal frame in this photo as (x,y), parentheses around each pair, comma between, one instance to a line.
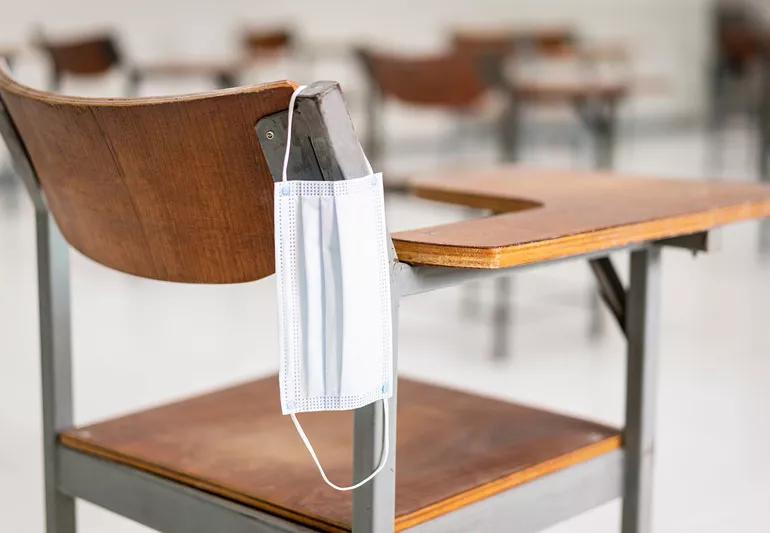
(171,506)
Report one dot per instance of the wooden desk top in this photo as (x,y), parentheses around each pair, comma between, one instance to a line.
(545,91)
(547,214)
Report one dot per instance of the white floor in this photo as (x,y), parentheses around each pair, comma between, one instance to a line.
(139,342)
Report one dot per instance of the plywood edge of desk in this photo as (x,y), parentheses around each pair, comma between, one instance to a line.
(417,248)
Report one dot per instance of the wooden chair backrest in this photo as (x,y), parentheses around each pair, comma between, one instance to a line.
(450,80)
(173,188)
(91,55)
(270,41)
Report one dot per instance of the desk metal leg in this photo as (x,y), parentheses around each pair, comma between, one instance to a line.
(642,326)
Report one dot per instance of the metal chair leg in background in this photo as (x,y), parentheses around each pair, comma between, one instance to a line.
(763,149)
(508,146)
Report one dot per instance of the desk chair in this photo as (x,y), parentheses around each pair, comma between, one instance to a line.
(737,36)
(92,55)
(450,83)
(98,54)
(180,189)
(447,81)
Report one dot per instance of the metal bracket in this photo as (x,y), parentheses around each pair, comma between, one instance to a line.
(704,241)
(324,144)
(610,288)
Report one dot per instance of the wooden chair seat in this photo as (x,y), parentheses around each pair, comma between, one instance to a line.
(453,449)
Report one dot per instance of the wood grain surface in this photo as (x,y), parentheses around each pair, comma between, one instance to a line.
(172,188)
(453,449)
(555,214)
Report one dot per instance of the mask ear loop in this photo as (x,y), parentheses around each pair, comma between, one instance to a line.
(297,425)
(383,457)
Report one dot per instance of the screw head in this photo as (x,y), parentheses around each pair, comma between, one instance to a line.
(270,135)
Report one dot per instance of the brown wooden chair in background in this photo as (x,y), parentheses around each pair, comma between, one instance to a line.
(738,36)
(448,82)
(451,83)
(90,55)
(97,54)
(181,189)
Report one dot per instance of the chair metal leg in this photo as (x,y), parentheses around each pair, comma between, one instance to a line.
(54,318)
(508,137)
(55,365)
(642,326)
(374,504)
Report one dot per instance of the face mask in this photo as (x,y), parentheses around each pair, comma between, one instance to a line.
(333,282)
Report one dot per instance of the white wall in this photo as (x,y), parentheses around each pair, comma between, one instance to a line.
(668,37)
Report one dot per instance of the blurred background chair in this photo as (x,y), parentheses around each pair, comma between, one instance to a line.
(447,82)
(82,56)
(98,54)
(450,83)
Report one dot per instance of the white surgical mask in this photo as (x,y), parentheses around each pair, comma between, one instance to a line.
(333,281)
